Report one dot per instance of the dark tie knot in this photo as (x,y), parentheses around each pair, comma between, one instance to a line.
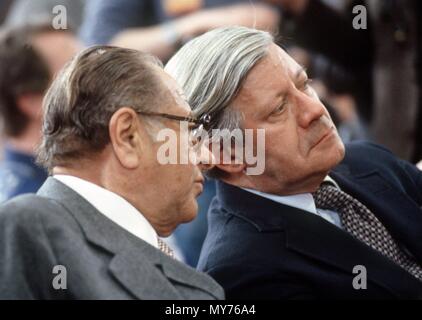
(331,198)
(361,223)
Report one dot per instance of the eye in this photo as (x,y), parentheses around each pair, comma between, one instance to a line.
(279,109)
(306,84)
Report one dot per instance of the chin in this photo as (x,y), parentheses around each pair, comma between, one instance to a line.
(341,150)
(331,156)
(166,233)
(336,155)
(190,211)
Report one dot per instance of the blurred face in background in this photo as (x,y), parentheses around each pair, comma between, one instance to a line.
(34,70)
(302,143)
(56,48)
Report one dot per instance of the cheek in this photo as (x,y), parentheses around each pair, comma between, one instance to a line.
(287,154)
(328,155)
(338,149)
(283,150)
(184,177)
(285,161)
(283,143)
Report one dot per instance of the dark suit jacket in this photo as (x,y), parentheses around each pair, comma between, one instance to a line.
(102,260)
(258,248)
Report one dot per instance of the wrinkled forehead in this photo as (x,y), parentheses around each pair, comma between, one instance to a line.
(276,69)
(267,83)
(283,61)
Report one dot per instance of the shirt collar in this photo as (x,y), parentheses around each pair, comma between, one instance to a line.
(330,180)
(303,201)
(113,207)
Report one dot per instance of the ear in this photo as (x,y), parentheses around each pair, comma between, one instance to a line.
(232,167)
(30,104)
(125,138)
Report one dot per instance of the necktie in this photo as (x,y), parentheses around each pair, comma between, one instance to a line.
(361,223)
(165,248)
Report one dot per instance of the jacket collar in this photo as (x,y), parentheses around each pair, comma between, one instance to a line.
(138,266)
(398,213)
(311,235)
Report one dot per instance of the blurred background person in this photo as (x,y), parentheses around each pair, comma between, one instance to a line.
(384,60)
(160,28)
(4,9)
(29,57)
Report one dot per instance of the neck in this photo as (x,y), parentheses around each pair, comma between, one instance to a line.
(84,171)
(288,188)
(27,142)
(109,175)
(99,171)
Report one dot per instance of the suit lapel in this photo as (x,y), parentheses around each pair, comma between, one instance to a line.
(316,238)
(399,214)
(142,277)
(320,240)
(142,269)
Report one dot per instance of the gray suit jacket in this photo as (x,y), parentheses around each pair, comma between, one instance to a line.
(103,261)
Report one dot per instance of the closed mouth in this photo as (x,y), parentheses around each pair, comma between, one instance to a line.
(325,135)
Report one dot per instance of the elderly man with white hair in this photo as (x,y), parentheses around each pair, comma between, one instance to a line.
(323,220)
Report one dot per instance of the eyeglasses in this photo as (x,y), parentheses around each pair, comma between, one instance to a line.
(204,121)
(202,124)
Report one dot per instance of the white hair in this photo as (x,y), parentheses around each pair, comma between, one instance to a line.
(211,68)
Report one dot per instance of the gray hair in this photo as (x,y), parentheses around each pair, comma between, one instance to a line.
(87,92)
(211,68)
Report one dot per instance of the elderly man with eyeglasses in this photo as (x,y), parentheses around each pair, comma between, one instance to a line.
(93,231)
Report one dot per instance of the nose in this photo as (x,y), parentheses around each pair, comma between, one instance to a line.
(206,159)
(309,108)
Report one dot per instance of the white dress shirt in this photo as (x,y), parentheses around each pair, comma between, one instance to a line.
(113,206)
(304,201)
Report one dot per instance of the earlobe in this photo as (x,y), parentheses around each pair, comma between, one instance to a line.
(232,168)
(124,137)
(228,160)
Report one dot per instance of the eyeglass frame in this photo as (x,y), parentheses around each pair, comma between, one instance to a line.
(205,120)
(202,122)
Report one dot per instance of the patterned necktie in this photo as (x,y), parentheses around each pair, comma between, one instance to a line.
(361,223)
(165,248)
